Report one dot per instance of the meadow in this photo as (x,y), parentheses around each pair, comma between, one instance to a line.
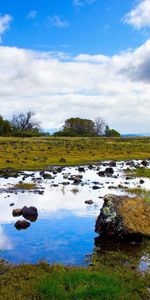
(108,276)
(38,153)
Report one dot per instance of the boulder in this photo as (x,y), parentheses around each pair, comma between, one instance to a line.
(17,212)
(123,217)
(30,213)
(22,224)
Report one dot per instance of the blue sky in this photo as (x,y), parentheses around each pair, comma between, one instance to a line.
(85,58)
(92,28)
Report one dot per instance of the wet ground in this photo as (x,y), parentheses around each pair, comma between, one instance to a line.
(64,229)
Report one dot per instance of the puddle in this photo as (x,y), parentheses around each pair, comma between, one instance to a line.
(64,229)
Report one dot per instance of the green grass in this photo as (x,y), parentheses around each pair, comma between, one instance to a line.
(25,186)
(142,172)
(43,282)
(37,153)
(140,193)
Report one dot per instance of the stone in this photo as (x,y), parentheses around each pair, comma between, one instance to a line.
(90,202)
(141,181)
(81,169)
(95,187)
(123,217)
(30,213)
(22,224)
(17,212)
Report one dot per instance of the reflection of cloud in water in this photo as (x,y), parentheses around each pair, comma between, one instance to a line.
(55,200)
(5,243)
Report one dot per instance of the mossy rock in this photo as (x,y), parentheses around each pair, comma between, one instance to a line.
(123,217)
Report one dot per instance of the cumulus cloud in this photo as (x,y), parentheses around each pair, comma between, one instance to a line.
(32,14)
(5,21)
(139,17)
(79,3)
(58,22)
(57,86)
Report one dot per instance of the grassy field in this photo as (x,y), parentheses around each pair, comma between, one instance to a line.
(37,153)
(43,282)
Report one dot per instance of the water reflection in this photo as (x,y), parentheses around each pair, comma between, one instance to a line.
(64,230)
(135,253)
(5,243)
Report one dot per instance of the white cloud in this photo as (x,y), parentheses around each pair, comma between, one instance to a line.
(139,17)
(79,3)
(57,86)
(58,22)
(5,21)
(32,14)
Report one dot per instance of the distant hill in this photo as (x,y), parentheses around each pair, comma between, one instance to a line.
(135,134)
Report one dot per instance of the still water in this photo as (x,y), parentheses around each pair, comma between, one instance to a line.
(64,230)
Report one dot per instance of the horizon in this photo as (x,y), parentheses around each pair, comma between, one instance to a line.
(82,58)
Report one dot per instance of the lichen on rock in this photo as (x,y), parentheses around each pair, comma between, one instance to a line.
(122,217)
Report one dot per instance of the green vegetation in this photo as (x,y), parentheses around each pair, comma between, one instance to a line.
(25,186)
(142,172)
(37,153)
(138,192)
(139,172)
(85,127)
(44,282)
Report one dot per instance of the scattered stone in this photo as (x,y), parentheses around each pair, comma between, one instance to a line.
(141,181)
(47,176)
(17,212)
(109,171)
(30,213)
(101,173)
(95,187)
(81,169)
(11,204)
(112,163)
(90,202)
(22,224)
(144,163)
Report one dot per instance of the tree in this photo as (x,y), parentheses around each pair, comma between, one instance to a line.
(100,126)
(25,122)
(115,133)
(79,127)
(107,131)
(111,132)
(5,127)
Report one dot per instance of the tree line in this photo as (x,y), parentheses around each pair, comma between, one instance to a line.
(26,125)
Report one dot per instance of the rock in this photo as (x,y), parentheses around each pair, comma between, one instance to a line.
(17,212)
(109,171)
(95,187)
(22,224)
(47,176)
(101,173)
(141,181)
(11,204)
(123,217)
(81,169)
(30,213)
(144,163)
(90,167)
(112,163)
(130,163)
(90,202)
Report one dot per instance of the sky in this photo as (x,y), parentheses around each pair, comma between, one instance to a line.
(76,58)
